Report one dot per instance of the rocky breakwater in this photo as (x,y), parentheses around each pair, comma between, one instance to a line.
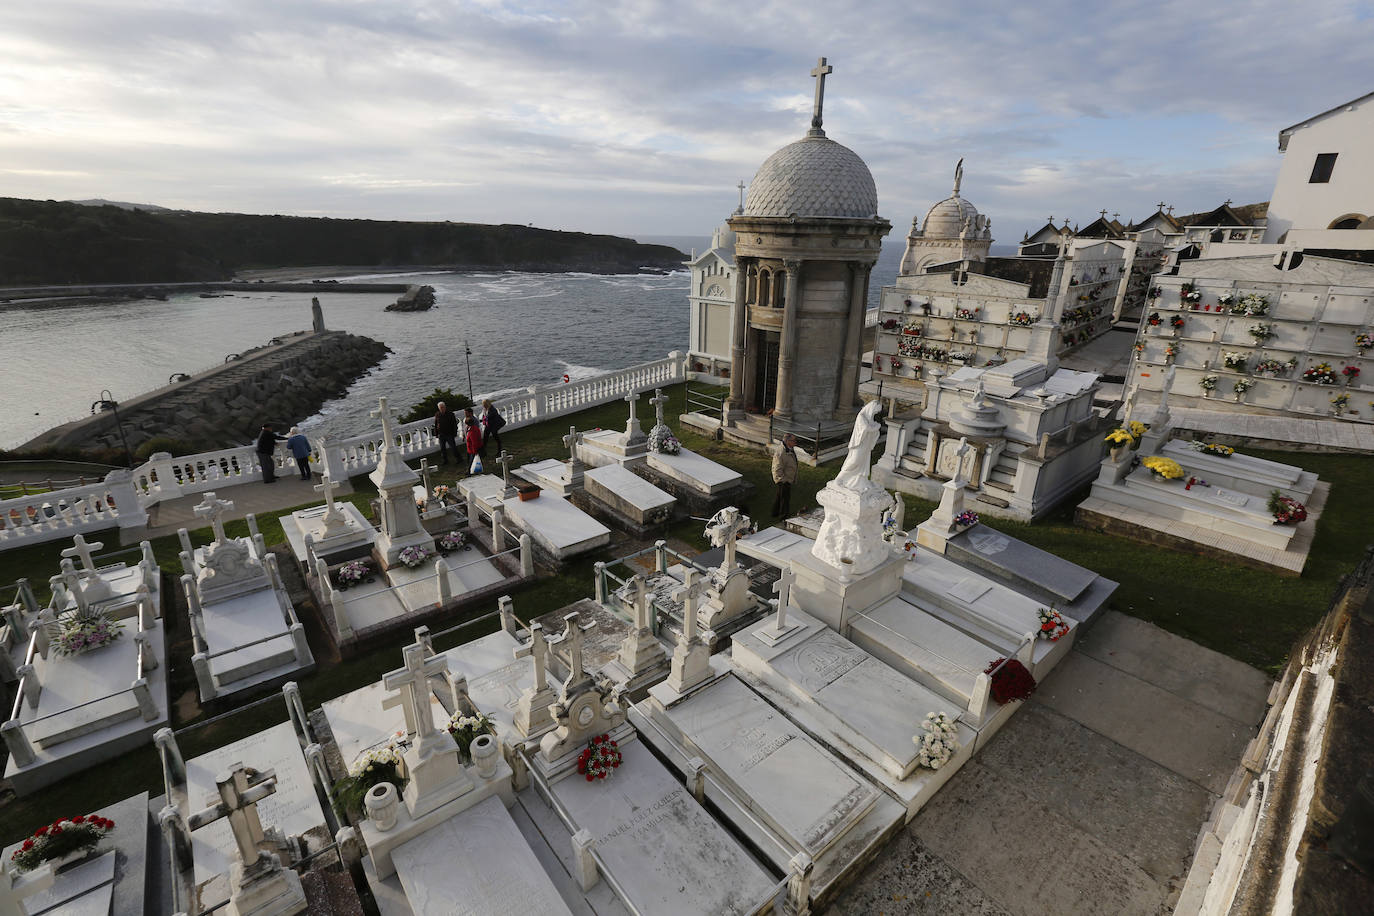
(281,383)
(414,299)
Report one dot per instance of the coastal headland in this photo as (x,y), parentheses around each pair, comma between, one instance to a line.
(281,383)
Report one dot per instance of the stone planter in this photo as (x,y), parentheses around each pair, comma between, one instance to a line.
(485,755)
(382,804)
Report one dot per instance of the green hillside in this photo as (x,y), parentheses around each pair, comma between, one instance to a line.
(51,242)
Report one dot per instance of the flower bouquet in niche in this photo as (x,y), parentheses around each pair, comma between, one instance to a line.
(1010,680)
(1255,304)
(599,759)
(1154,320)
(1286,509)
(414,556)
(1232,359)
(1208,382)
(1162,468)
(1351,373)
(939,743)
(83,632)
(61,839)
(465,730)
(1364,342)
(1261,332)
(1339,402)
(1320,374)
(1226,300)
(1242,385)
(1186,293)
(1176,321)
(1022,318)
(379,765)
(1052,625)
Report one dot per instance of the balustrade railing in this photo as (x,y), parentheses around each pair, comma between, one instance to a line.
(123,497)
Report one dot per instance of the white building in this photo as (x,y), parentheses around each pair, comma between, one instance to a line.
(1326,181)
(711,301)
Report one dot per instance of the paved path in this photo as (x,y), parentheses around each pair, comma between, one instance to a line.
(257,498)
(1090,800)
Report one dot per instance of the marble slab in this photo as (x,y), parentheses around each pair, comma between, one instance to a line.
(923,647)
(496,679)
(310,521)
(469,571)
(628,493)
(71,681)
(666,852)
(557,525)
(86,889)
(990,549)
(359,721)
(551,474)
(788,779)
(774,546)
(293,809)
(369,604)
(695,471)
(488,489)
(475,863)
(229,627)
(600,645)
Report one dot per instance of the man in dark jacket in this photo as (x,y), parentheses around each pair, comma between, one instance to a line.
(446,431)
(267,445)
(784,475)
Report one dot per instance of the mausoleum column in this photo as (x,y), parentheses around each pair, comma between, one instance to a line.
(787,344)
(743,275)
(851,359)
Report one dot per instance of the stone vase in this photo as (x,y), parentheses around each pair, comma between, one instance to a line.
(382,804)
(485,755)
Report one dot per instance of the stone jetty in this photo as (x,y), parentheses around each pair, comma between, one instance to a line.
(281,383)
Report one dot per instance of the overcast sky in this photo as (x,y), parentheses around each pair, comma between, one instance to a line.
(638,118)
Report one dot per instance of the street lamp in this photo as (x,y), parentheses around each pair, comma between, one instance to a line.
(467,358)
(107,402)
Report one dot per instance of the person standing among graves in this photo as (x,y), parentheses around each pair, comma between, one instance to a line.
(299,446)
(784,475)
(492,421)
(267,444)
(446,431)
(473,439)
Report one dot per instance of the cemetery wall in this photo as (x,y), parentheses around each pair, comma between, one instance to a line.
(282,383)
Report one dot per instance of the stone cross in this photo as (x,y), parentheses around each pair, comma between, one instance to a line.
(214,508)
(14,887)
(783,589)
(413,681)
(538,650)
(504,460)
(723,529)
(572,635)
(741,186)
(693,587)
(1160,205)
(658,400)
(820,72)
(1103,213)
(82,548)
(570,442)
(327,487)
(387,415)
(240,789)
(631,399)
(641,589)
(424,476)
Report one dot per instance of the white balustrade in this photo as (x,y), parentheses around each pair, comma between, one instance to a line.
(121,500)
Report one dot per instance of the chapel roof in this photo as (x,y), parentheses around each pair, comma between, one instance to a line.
(814,177)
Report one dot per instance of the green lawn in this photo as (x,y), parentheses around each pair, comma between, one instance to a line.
(1250,615)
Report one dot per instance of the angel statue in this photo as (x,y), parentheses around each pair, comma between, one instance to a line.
(854,472)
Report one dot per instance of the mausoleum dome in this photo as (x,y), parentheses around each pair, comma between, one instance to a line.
(814,177)
(946,219)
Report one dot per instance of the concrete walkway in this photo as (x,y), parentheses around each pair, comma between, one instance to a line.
(1090,800)
(257,498)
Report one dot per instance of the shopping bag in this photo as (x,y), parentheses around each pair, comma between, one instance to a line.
(476,465)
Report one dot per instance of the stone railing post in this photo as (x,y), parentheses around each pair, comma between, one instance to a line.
(678,365)
(21,751)
(536,403)
(798,900)
(498,541)
(167,487)
(583,862)
(205,680)
(327,596)
(295,710)
(121,494)
(29,685)
(506,607)
(526,556)
(26,596)
(660,556)
(146,707)
(299,644)
(329,460)
(14,616)
(599,578)
(173,764)
(445,586)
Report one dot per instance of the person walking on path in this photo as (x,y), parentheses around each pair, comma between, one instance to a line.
(446,431)
(784,475)
(473,439)
(492,421)
(299,446)
(267,444)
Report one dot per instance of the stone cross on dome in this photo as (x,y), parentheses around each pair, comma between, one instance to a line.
(213,508)
(820,72)
(240,789)
(741,186)
(413,682)
(82,548)
(658,400)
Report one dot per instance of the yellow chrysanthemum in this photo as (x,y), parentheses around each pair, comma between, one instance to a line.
(1167,468)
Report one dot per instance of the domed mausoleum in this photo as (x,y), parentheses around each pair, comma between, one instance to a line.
(953,231)
(805,245)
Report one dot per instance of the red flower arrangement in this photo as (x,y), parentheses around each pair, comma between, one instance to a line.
(1286,509)
(1351,372)
(1010,682)
(599,759)
(60,838)
(1154,320)
(1176,321)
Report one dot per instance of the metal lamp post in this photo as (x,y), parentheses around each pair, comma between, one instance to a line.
(107,402)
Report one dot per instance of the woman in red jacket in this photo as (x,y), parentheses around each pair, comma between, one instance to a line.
(473,438)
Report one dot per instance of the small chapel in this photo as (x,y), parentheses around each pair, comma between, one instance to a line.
(805,246)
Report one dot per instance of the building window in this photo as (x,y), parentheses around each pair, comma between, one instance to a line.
(1347,222)
(1321,169)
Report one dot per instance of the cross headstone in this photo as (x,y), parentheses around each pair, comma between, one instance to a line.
(413,682)
(724,532)
(783,589)
(214,508)
(15,886)
(693,587)
(820,72)
(658,400)
(387,415)
(959,452)
(504,459)
(538,650)
(570,442)
(641,599)
(327,487)
(424,476)
(240,789)
(83,549)
(631,399)
(572,635)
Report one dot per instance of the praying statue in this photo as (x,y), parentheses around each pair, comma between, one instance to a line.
(854,472)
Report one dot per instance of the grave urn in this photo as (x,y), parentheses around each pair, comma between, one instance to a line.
(382,803)
(485,755)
